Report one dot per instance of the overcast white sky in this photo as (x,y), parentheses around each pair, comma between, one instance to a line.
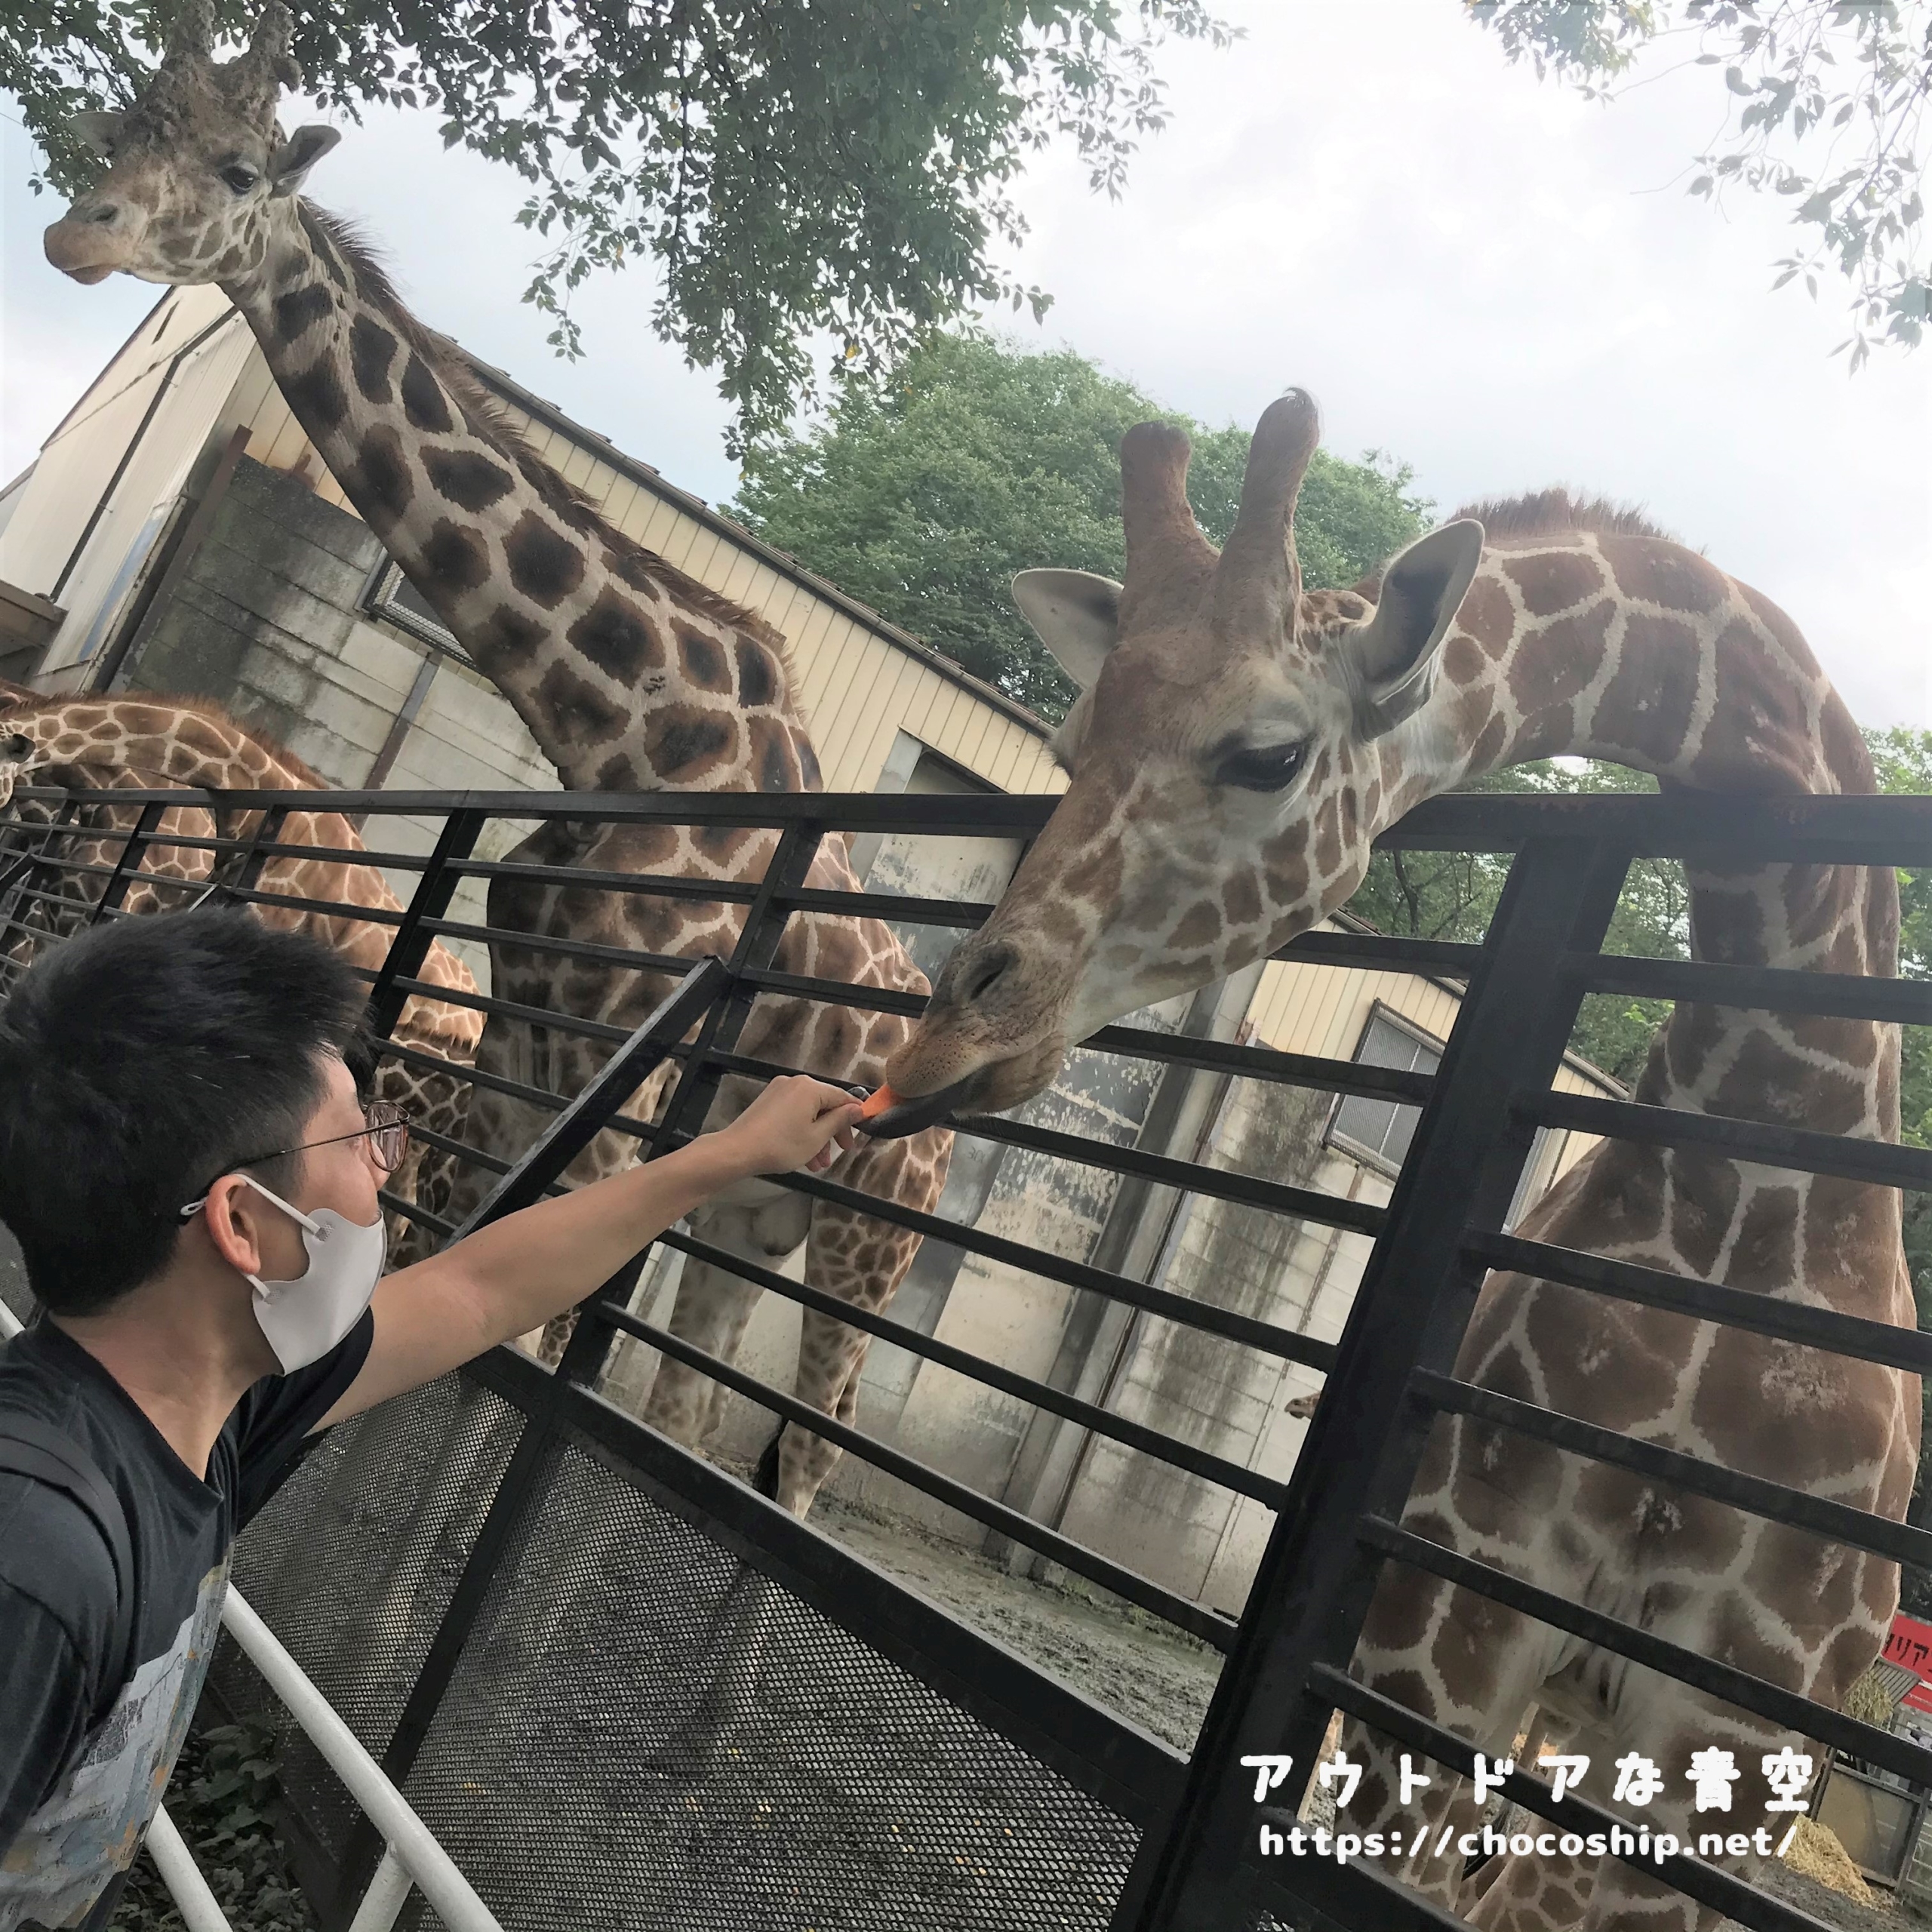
(1492,278)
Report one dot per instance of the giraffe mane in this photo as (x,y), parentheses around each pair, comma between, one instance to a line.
(1549,513)
(491,420)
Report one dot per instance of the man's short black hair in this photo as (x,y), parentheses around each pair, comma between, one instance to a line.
(139,1063)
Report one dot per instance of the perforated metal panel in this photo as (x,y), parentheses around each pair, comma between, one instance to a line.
(352,1564)
(642,1733)
(677,1743)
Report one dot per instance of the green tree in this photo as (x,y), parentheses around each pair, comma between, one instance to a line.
(933,482)
(843,168)
(1827,103)
(1451,895)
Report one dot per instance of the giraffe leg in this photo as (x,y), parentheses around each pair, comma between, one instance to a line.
(861,1260)
(1473,1666)
(713,1306)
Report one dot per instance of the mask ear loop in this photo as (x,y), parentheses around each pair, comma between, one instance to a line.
(188,1212)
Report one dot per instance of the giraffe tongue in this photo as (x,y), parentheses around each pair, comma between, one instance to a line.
(890,1116)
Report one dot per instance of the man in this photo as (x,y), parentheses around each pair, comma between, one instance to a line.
(191,1175)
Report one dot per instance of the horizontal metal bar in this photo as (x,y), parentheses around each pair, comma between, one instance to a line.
(1219,1184)
(1710,1884)
(1859,1528)
(1708,1301)
(570,948)
(1176,1453)
(1756,988)
(1720,830)
(475,1076)
(340,908)
(907,910)
(1304,1204)
(1797,1715)
(433,1869)
(1884,1163)
(834,992)
(1334,1076)
(657,885)
(1716,828)
(1136,1775)
(941,814)
(1244,1329)
(1386,950)
(1216,1631)
(461,1149)
(510,1009)
(1408,1088)
(420,1217)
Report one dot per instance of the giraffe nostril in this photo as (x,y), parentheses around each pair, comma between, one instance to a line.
(103,214)
(984,973)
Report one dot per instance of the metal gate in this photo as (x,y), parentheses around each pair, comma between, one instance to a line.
(625,1689)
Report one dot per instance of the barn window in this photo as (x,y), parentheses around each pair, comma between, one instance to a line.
(1380,1132)
(391,596)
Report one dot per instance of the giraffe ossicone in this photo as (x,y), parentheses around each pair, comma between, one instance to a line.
(1239,743)
(630,675)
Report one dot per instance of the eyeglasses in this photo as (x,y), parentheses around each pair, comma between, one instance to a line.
(385,1125)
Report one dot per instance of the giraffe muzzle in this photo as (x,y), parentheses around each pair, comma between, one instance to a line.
(92,240)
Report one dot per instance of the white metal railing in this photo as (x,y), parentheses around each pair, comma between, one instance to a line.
(413,1858)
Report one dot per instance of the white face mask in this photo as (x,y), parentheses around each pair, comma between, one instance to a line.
(304,1318)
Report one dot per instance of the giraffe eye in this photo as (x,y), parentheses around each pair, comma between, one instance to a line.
(239,178)
(1261,767)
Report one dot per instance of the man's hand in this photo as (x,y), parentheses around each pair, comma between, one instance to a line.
(796,1122)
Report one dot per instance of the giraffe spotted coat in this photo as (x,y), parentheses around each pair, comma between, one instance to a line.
(631,675)
(1239,744)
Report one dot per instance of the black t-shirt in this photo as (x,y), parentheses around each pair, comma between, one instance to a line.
(77,1791)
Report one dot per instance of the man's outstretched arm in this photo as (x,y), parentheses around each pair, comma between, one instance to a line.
(515,1274)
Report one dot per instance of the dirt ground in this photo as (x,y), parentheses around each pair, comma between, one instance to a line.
(1834,1907)
(1162,1680)
(1111,1652)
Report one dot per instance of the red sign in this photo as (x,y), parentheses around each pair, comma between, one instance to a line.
(1910,1644)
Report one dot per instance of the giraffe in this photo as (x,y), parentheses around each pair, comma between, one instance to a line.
(140,743)
(631,676)
(1239,743)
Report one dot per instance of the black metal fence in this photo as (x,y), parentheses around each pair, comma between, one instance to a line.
(627,1690)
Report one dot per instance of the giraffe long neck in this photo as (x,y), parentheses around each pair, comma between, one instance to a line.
(629,675)
(1638,652)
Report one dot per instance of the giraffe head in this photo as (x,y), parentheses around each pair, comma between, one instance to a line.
(1229,759)
(198,168)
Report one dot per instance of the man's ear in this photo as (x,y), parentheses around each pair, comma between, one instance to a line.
(1077,616)
(97,127)
(231,1217)
(1388,662)
(297,155)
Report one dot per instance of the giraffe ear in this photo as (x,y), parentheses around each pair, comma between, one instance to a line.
(1077,616)
(1389,661)
(297,155)
(98,128)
